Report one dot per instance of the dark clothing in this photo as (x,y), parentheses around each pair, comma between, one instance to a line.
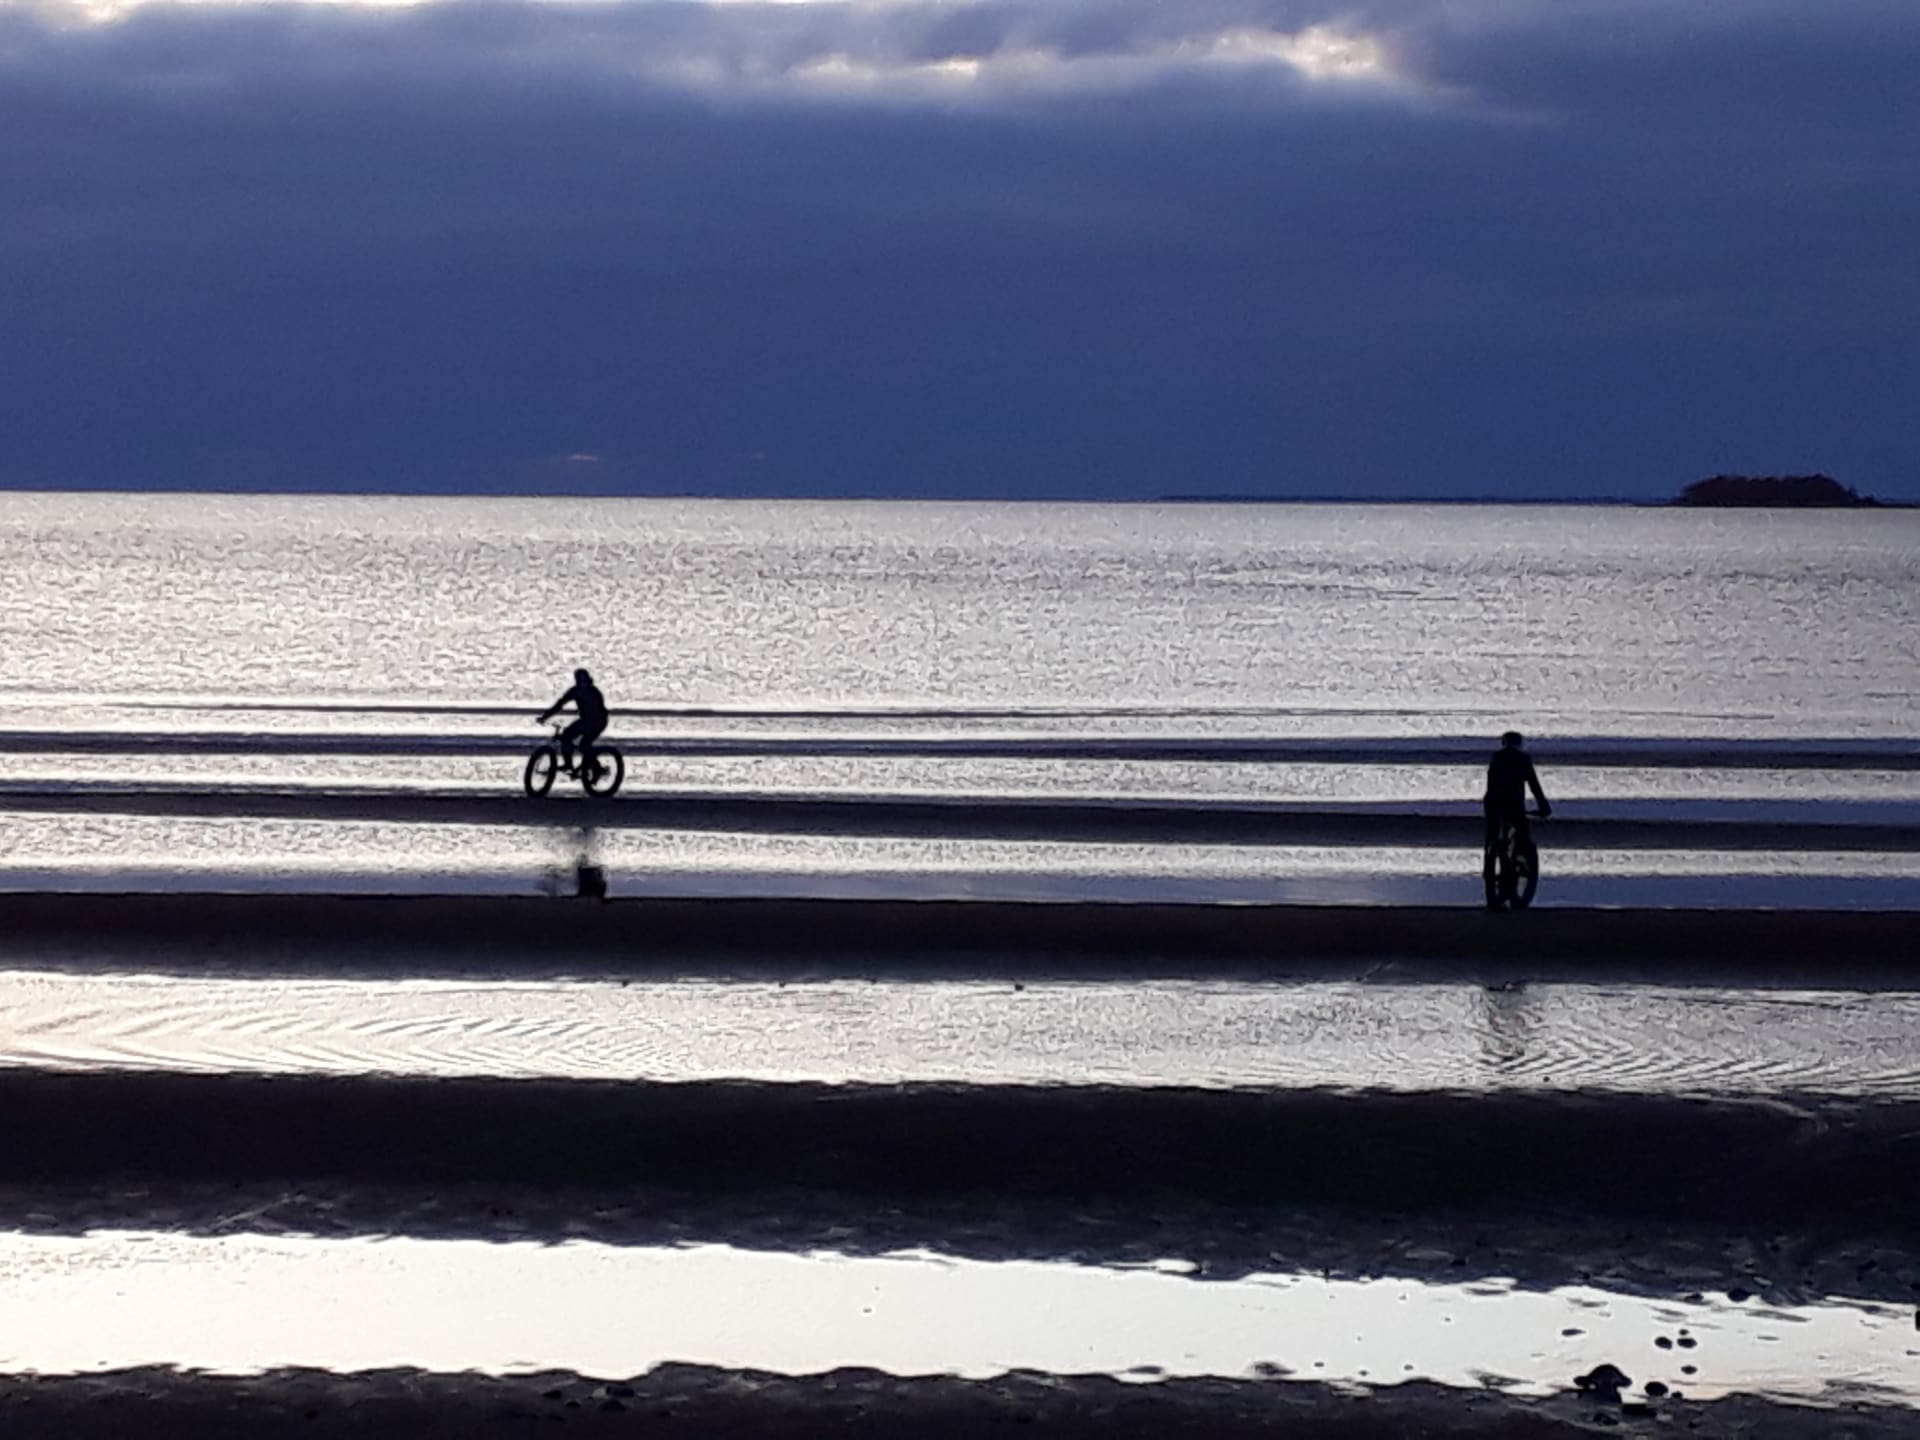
(1523,836)
(585,697)
(1509,776)
(582,732)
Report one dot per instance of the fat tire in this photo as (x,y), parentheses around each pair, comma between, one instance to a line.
(603,772)
(542,766)
(1526,874)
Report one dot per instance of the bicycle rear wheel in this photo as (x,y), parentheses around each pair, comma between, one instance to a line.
(542,766)
(603,770)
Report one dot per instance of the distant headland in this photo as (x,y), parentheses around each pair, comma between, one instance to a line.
(1794,492)
(1804,492)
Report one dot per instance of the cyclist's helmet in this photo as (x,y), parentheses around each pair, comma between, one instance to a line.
(1512,740)
(581,677)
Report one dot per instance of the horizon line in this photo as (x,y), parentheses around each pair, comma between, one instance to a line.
(947,498)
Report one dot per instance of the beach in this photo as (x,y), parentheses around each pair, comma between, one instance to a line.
(1720,1209)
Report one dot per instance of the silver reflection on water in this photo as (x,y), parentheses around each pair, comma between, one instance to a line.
(1402,1037)
(1427,620)
(247,1303)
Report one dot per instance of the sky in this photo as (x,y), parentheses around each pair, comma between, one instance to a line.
(973,248)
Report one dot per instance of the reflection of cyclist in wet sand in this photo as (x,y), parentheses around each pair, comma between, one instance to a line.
(1507,1025)
(1510,775)
(591,721)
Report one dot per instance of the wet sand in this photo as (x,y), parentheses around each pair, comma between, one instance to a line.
(1223,1242)
(503,935)
(1593,751)
(1134,821)
(1793,1163)
(1674,1259)
(1778,1196)
(724,1404)
(695,1400)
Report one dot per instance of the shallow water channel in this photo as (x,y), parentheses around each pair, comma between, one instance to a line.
(1387,1036)
(246,1303)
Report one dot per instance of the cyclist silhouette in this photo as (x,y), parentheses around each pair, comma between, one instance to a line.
(1510,775)
(589,722)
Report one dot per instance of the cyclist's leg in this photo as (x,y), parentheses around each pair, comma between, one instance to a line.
(567,737)
(1490,854)
(588,734)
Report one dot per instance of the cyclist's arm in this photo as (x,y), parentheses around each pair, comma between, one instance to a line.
(1539,795)
(558,705)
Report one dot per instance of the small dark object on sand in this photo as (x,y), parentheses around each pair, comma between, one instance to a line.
(1736,1295)
(1687,1342)
(1656,1388)
(1663,1342)
(1603,1382)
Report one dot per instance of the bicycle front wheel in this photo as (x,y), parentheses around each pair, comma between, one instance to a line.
(1526,874)
(542,766)
(603,771)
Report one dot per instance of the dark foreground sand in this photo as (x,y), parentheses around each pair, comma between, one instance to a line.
(694,1401)
(1676,1258)
(1783,1199)
(1225,1240)
(500,935)
(1136,821)
(1783,1161)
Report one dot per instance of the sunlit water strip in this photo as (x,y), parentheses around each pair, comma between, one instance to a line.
(1399,1037)
(247,1303)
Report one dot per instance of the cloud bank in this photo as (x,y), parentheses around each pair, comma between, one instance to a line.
(960,246)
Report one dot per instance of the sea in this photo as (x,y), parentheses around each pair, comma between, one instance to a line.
(251,692)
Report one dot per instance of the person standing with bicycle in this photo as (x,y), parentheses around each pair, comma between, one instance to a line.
(589,722)
(1510,774)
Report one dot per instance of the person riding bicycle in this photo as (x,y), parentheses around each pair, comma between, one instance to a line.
(591,720)
(1510,774)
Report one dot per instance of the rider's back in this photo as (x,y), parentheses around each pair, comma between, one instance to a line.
(1509,774)
(591,704)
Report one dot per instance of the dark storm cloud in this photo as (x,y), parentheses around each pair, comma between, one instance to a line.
(1060,246)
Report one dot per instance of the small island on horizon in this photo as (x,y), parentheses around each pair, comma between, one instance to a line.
(1785,491)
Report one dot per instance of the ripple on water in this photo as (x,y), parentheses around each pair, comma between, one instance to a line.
(1146,1033)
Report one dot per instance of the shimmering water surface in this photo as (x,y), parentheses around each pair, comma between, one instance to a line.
(1671,664)
(1332,619)
(1398,1037)
(115,1299)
